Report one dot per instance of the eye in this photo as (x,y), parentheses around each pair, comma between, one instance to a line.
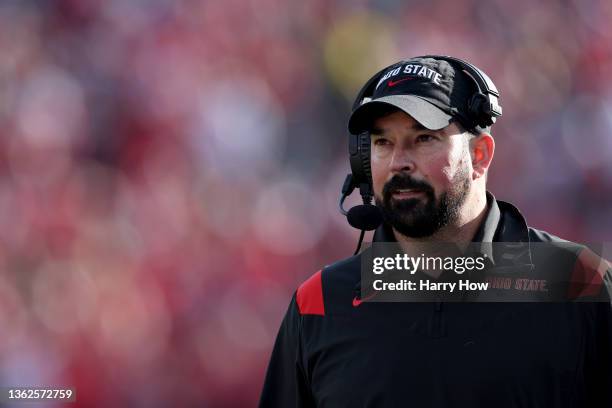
(381,142)
(425,138)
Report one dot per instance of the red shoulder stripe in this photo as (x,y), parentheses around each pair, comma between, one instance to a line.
(588,275)
(310,296)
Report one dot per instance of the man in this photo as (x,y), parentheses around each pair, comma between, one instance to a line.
(429,157)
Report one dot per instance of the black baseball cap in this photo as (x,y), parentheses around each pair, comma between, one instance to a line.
(430,90)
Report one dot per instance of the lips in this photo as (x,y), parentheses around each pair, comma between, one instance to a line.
(406,193)
(402,187)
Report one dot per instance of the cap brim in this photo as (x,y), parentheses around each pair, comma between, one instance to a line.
(420,109)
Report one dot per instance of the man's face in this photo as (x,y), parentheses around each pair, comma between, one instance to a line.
(421,177)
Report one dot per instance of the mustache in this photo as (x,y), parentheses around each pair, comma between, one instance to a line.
(404,181)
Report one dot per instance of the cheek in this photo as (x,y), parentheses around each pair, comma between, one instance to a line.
(452,165)
(439,171)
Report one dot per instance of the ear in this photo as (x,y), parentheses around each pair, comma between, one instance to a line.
(482,149)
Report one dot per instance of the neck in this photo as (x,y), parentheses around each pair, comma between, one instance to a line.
(461,231)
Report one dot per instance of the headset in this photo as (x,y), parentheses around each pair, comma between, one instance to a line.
(482,111)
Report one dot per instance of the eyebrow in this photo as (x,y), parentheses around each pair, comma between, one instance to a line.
(381,131)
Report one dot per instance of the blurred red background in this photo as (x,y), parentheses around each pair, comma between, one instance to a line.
(170,169)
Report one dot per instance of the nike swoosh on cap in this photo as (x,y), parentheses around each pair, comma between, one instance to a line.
(393,83)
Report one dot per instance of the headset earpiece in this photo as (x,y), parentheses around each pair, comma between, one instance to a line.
(479,111)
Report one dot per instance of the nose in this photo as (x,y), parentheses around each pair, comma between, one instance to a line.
(401,161)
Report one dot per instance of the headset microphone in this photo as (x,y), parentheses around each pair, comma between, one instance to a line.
(364,217)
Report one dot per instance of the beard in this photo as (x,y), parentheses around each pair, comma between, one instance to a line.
(422,216)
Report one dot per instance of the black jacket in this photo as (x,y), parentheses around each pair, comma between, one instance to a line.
(334,351)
